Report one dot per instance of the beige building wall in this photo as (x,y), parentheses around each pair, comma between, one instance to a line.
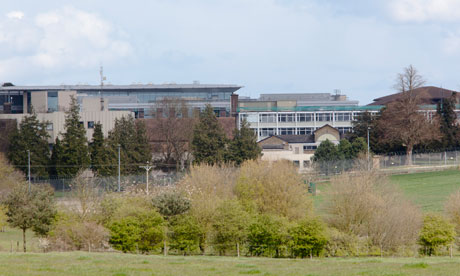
(275,155)
(39,101)
(93,104)
(64,99)
(56,121)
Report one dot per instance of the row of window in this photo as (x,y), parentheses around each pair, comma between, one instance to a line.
(291,131)
(305,117)
(90,125)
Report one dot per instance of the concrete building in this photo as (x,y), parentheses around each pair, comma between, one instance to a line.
(299,114)
(141,99)
(298,149)
(50,107)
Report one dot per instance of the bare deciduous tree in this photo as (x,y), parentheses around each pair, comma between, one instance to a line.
(172,132)
(367,205)
(401,121)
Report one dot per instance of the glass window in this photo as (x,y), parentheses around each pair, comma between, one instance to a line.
(49,126)
(267,132)
(286,117)
(345,129)
(267,118)
(305,130)
(90,124)
(312,147)
(343,117)
(304,117)
(286,131)
(296,163)
(52,101)
(324,117)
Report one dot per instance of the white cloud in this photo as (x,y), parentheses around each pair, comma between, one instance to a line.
(15,15)
(59,39)
(425,10)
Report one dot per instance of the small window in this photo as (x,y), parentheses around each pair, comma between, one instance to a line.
(49,126)
(82,124)
(296,163)
(90,124)
(306,163)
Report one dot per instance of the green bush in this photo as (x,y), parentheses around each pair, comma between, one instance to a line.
(142,231)
(171,204)
(267,236)
(307,238)
(230,226)
(185,234)
(436,232)
(342,244)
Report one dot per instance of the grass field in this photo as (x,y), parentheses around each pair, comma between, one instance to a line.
(428,190)
(80,263)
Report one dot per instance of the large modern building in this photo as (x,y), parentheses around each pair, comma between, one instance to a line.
(142,99)
(299,114)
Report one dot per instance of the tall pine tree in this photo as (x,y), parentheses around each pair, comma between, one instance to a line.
(31,135)
(243,145)
(73,154)
(448,122)
(209,140)
(132,138)
(103,157)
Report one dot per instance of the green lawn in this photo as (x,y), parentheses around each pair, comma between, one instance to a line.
(429,190)
(81,263)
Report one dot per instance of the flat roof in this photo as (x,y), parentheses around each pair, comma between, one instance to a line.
(118,87)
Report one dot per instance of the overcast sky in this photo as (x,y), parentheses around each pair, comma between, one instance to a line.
(267,46)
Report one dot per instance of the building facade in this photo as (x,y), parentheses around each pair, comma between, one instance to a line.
(141,99)
(299,114)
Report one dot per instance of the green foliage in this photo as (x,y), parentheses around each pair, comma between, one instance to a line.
(9,177)
(171,204)
(142,231)
(209,140)
(185,233)
(132,138)
(34,209)
(3,218)
(243,146)
(358,146)
(72,233)
(31,135)
(436,232)
(308,238)
(103,158)
(230,225)
(267,236)
(72,154)
(448,123)
(342,244)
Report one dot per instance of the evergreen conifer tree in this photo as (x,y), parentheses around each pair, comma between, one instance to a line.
(209,140)
(134,144)
(54,162)
(31,135)
(244,145)
(448,122)
(103,157)
(73,154)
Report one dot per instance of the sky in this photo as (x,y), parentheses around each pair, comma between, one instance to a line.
(267,46)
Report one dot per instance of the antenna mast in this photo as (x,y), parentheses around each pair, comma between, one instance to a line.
(103,78)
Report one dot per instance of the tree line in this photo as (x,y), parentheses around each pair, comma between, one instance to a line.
(256,209)
(72,152)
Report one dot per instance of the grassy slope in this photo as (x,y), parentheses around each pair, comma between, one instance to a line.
(80,263)
(429,190)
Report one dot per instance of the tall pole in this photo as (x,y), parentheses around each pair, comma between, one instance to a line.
(28,167)
(368,151)
(119,184)
(147,169)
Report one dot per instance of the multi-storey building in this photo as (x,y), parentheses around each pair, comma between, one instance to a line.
(142,99)
(299,114)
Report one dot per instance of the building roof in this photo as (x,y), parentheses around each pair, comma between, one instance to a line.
(293,139)
(427,95)
(120,87)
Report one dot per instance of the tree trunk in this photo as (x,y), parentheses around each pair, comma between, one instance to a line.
(24,239)
(238,249)
(409,155)
(165,249)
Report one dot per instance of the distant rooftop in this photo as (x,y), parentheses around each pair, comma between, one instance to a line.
(428,95)
(119,87)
